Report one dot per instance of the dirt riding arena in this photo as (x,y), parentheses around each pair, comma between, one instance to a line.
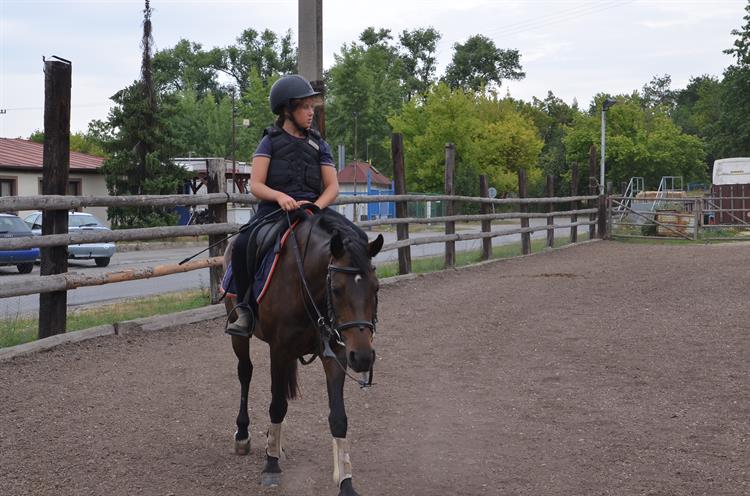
(603,369)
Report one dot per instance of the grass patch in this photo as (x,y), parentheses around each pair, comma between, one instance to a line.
(20,329)
(425,265)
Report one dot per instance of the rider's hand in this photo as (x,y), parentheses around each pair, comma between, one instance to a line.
(286,202)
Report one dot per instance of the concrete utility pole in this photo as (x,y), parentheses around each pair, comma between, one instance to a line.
(310,49)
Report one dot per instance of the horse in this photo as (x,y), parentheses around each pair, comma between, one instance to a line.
(321,301)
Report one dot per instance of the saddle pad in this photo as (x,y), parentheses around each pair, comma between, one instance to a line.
(267,267)
(264,272)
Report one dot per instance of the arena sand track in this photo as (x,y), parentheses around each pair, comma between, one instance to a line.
(604,369)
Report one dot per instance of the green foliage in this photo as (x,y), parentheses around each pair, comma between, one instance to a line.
(79,142)
(478,65)
(140,145)
(187,67)
(365,86)
(491,138)
(641,141)
(266,53)
(418,57)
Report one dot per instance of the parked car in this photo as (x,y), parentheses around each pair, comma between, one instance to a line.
(80,221)
(13,227)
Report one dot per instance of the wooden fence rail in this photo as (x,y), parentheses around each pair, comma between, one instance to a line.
(60,283)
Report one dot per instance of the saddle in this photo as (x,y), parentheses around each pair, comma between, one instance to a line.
(263,238)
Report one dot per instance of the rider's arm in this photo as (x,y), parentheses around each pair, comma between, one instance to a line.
(260,190)
(330,186)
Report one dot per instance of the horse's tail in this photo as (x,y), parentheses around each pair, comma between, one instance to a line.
(291,386)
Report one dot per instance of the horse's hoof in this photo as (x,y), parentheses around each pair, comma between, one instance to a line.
(270,479)
(242,446)
(346,488)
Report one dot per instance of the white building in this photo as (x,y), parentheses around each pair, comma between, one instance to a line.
(21,163)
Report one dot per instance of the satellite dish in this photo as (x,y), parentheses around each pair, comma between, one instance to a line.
(492,192)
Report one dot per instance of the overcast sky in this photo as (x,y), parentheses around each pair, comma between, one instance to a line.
(573,48)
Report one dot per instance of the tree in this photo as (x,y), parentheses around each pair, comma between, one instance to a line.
(79,142)
(364,86)
(490,135)
(478,65)
(267,53)
(732,138)
(658,93)
(418,56)
(641,142)
(697,111)
(138,140)
(187,66)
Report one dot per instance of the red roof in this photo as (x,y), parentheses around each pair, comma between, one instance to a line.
(20,153)
(358,171)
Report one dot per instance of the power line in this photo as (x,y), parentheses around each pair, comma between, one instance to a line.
(535,24)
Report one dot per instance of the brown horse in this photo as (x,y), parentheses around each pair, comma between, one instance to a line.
(322,301)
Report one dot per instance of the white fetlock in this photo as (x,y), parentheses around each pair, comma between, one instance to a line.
(241,447)
(342,465)
(273,441)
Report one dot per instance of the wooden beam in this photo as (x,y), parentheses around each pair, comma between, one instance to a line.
(56,162)
(217,183)
(486,223)
(402,211)
(450,227)
(73,280)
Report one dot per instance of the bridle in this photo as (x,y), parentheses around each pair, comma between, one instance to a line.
(332,318)
(328,329)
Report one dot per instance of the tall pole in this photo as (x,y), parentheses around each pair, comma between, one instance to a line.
(55,175)
(355,134)
(234,144)
(310,52)
(604,144)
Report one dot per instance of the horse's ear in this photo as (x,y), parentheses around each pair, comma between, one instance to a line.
(337,245)
(375,246)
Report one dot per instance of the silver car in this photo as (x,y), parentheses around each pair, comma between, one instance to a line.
(80,221)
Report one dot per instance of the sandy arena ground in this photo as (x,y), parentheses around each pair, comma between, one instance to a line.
(604,369)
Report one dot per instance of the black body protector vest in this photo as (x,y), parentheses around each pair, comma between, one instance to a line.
(295,164)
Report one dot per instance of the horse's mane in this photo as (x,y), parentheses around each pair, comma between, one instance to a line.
(353,237)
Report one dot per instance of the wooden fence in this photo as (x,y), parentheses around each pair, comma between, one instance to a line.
(62,282)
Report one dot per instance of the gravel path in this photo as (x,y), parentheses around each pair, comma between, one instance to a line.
(603,369)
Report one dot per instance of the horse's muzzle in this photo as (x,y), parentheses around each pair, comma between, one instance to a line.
(361,360)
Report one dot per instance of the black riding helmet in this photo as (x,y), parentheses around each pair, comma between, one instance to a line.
(290,87)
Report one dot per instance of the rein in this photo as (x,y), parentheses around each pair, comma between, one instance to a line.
(326,326)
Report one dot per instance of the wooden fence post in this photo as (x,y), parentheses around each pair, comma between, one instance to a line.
(524,208)
(402,210)
(486,224)
(574,204)
(217,183)
(593,188)
(550,193)
(450,227)
(56,162)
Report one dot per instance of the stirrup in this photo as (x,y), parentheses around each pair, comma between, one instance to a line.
(239,328)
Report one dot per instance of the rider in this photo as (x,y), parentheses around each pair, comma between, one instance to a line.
(292,166)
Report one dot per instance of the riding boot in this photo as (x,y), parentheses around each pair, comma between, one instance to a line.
(245,323)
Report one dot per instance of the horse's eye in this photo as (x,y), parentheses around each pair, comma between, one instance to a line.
(337,290)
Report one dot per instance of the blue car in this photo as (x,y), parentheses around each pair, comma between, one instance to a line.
(13,227)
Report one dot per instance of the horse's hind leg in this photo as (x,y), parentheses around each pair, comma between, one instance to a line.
(283,387)
(241,347)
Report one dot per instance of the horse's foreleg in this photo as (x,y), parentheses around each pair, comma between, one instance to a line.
(342,466)
(283,380)
(241,347)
